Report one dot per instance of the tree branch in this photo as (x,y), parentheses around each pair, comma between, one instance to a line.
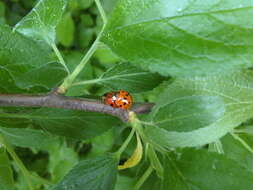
(54,100)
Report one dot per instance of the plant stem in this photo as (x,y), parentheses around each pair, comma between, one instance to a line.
(57,101)
(126,142)
(101,11)
(136,124)
(69,80)
(17,161)
(58,54)
(242,142)
(143,178)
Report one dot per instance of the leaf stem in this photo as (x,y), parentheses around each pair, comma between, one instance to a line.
(69,80)
(87,82)
(237,137)
(126,142)
(154,160)
(41,180)
(101,11)
(58,54)
(17,161)
(136,124)
(219,147)
(143,178)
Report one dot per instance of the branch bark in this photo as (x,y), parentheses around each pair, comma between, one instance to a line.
(54,100)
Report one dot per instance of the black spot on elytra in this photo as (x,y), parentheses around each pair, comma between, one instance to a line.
(120,106)
(124,103)
(111,105)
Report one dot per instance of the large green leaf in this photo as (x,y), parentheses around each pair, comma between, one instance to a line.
(200,169)
(128,77)
(25,63)
(186,113)
(196,111)
(27,137)
(6,177)
(69,123)
(94,174)
(183,37)
(41,22)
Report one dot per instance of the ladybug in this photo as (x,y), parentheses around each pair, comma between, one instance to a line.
(118,99)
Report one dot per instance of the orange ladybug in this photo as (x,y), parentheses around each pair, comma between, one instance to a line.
(118,99)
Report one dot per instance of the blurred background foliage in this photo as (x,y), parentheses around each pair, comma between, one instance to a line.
(78,29)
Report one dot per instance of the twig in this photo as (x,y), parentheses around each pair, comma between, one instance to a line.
(53,100)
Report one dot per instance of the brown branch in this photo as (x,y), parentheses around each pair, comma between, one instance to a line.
(53,100)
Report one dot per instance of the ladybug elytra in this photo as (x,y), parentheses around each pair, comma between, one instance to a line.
(118,99)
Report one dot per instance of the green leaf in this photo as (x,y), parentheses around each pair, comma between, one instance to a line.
(106,56)
(103,143)
(233,149)
(42,76)
(26,63)
(128,77)
(27,137)
(124,182)
(108,6)
(65,30)
(7,84)
(41,22)
(200,169)
(94,174)
(61,160)
(197,111)
(68,123)
(6,177)
(188,112)
(182,38)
